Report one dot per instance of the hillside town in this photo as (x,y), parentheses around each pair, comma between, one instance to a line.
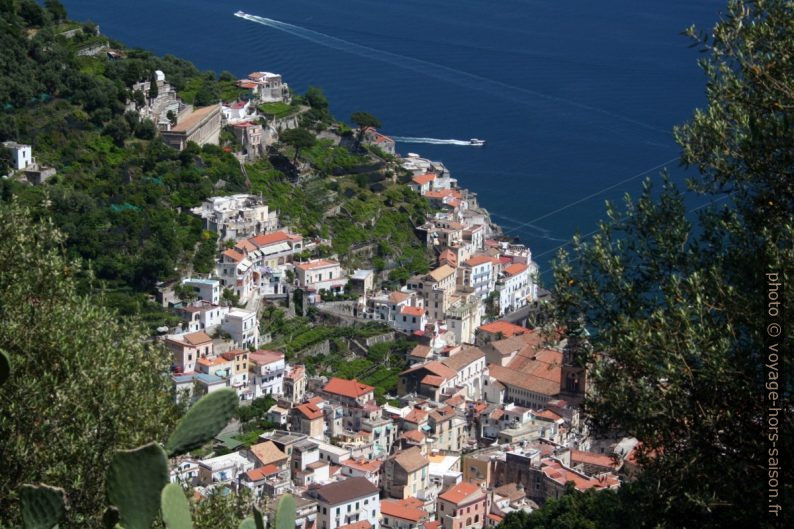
(484,419)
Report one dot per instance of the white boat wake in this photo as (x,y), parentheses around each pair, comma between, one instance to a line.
(438,71)
(431,141)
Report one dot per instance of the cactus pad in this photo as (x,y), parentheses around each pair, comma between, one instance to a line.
(42,506)
(203,422)
(285,513)
(176,509)
(248,523)
(134,482)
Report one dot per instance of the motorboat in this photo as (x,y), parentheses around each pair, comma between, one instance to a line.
(476,142)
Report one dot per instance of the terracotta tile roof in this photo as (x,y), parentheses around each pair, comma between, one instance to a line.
(478,260)
(317,263)
(261,472)
(209,362)
(403,509)
(347,388)
(435,524)
(449,256)
(456,400)
(234,255)
(495,517)
(415,416)
(515,269)
(423,179)
(310,411)
(411,459)
(442,272)
(194,118)
(232,354)
(246,246)
(511,377)
(413,435)
(510,491)
(432,380)
(263,357)
(462,492)
(346,491)
(505,327)
(435,367)
(267,452)
(556,472)
(197,338)
(362,524)
(363,465)
(267,239)
(398,297)
(547,414)
(420,351)
(412,311)
(466,356)
(589,458)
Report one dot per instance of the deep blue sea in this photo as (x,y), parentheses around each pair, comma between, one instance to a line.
(575,98)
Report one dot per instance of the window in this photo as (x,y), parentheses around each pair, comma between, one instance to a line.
(476,518)
(190,357)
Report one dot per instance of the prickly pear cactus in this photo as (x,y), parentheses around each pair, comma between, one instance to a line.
(42,506)
(203,421)
(285,513)
(248,523)
(175,507)
(5,367)
(134,482)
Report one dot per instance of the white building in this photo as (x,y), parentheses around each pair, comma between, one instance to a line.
(203,316)
(478,273)
(206,289)
(223,469)
(243,327)
(269,87)
(236,216)
(268,369)
(346,502)
(21,155)
(515,288)
(321,274)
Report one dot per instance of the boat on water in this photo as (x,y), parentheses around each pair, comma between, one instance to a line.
(239,13)
(476,142)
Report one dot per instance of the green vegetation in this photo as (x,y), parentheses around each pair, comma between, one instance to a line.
(277,110)
(82,384)
(677,307)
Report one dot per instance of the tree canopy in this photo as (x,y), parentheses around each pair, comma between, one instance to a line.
(82,384)
(364,120)
(675,299)
(298,139)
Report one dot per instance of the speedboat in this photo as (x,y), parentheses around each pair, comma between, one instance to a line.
(239,13)
(477,143)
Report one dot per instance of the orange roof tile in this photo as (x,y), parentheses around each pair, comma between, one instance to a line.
(267,239)
(261,472)
(234,255)
(403,509)
(264,357)
(398,297)
(413,435)
(432,380)
(347,388)
(415,416)
(477,260)
(423,179)
(197,338)
(310,411)
(505,327)
(363,465)
(318,263)
(461,492)
(515,269)
(412,311)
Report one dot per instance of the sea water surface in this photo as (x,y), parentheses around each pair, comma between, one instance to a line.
(576,99)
